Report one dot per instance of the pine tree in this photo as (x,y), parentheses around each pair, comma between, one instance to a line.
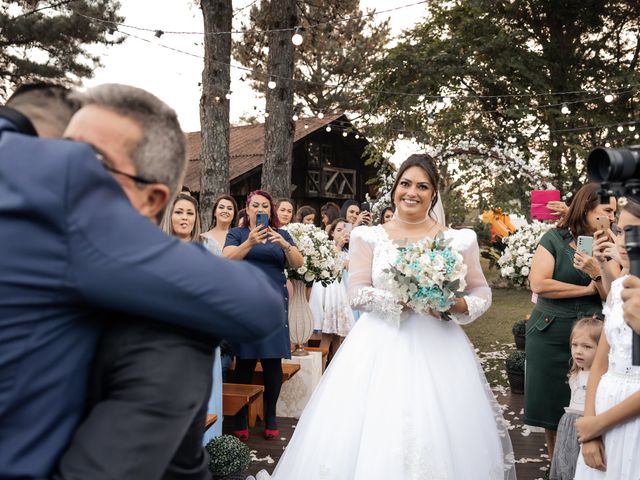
(334,61)
(48,41)
(214,106)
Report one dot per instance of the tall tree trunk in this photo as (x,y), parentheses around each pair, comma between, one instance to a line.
(279,127)
(214,107)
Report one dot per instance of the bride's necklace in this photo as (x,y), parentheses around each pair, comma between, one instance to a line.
(402,220)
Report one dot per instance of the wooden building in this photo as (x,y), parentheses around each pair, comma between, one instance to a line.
(327,166)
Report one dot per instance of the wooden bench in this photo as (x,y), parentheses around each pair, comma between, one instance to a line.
(236,396)
(211,419)
(288,371)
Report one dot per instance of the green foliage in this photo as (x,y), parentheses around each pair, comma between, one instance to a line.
(340,53)
(48,41)
(515,361)
(513,50)
(519,327)
(227,455)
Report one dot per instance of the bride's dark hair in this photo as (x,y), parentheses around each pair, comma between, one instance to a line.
(426,163)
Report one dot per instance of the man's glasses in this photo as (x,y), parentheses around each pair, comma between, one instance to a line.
(141,180)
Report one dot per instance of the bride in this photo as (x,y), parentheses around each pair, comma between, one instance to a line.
(404,397)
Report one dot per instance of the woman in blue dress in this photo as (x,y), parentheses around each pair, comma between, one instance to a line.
(270,249)
(223,216)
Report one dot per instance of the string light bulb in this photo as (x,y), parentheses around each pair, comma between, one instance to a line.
(228,96)
(306,125)
(607,144)
(608,98)
(631,128)
(620,129)
(636,136)
(328,129)
(357,136)
(555,144)
(297,37)
(294,118)
(565,109)
(344,134)
(266,114)
(271,84)
(400,136)
(320,115)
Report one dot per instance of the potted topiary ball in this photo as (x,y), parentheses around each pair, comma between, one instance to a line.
(228,458)
(515,371)
(519,330)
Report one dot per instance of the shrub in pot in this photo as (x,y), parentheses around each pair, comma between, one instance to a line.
(228,458)
(519,330)
(515,371)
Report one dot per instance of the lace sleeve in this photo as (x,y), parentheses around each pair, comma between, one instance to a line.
(362,294)
(477,293)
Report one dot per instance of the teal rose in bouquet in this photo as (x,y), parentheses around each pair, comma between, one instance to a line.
(428,276)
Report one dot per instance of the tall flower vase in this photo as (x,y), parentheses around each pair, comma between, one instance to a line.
(300,318)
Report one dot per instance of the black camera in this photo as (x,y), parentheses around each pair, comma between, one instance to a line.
(618,172)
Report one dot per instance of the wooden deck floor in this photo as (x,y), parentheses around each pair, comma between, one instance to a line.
(529,447)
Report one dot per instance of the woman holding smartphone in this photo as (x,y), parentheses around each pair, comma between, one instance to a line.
(569,286)
(269,248)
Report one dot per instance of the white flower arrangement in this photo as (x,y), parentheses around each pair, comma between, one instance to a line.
(321,257)
(428,275)
(515,262)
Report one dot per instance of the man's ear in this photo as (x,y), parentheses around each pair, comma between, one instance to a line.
(156,196)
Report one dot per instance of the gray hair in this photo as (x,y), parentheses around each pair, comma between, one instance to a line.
(161,152)
(49,107)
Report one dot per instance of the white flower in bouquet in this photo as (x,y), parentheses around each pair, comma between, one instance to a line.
(515,262)
(321,257)
(428,275)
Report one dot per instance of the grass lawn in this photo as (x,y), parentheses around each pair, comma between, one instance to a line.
(491,333)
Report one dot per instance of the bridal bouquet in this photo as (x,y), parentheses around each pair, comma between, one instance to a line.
(321,257)
(428,275)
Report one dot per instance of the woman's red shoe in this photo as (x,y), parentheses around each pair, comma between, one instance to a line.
(271,434)
(241,434)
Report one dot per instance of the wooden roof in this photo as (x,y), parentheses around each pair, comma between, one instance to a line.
(246,147)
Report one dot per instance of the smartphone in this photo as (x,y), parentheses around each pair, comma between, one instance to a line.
(348,227)
(603,223)
(539,200)
(585,244)
(262,219)
(364,207)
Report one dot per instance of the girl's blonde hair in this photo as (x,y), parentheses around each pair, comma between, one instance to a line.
(593,326)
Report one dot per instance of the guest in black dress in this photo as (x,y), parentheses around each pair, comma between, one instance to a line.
(268,248)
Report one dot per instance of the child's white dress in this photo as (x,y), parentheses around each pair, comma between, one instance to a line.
(622,442)
(332,313)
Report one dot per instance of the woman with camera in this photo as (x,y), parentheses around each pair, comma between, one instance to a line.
(269,248)
(569,286)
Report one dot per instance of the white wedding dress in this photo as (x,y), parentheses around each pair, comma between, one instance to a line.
(405,396)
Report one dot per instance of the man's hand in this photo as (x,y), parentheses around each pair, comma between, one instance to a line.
(631,299)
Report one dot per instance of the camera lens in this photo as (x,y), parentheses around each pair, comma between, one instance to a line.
(613,165)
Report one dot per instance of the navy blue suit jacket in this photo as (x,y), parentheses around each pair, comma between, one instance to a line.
(71,247)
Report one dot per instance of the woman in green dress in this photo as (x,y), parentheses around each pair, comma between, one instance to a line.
(569,286)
